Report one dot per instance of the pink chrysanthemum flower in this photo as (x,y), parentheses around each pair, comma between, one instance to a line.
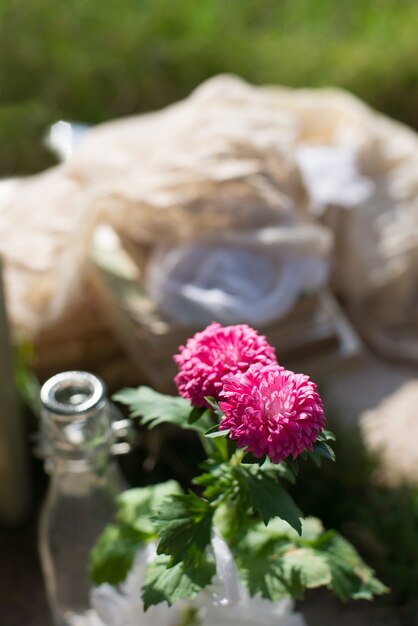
(270,410)
(214,353)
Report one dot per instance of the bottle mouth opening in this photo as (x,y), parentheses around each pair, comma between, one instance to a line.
(72,393)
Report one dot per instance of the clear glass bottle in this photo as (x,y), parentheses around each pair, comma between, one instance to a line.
(78,436)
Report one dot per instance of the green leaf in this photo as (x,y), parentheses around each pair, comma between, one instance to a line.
(316,459)
(270,499)
(323,449)
(202,424)
(163,583)
(136,506)
(326,435)
(263,577)
(113,554)
(155,408)
(250,459)
(279,532)
(196,414)
(215,407)
(217,444)
(214,432)
(184,525)
(221,481)
(313,567)
(259,564)
(281,569)
(293,465)
(312,530)
(281,469)
(351,577)
(274,562)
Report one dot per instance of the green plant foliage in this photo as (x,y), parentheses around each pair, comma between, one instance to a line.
(351,577)
(156,408)
(278,553)
(184,526)
(114,553)
(381,521)
(281,469)
(221,482)
(270,499)
(115,549)
(323,449)
(136,506)
(166,583)
(275,562)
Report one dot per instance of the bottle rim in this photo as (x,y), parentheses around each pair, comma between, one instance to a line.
(72,393)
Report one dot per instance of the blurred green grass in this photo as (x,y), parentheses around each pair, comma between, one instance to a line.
(92,60)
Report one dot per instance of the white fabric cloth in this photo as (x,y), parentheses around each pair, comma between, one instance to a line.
(197,284)
(331,176)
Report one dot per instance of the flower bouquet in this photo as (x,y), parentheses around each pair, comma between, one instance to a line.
(237,538)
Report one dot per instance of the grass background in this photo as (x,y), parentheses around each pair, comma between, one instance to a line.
(91,60)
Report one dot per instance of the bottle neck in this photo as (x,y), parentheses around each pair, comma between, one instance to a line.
(97,463)
(76,424)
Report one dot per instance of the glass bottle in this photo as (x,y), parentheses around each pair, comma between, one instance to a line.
(78,437)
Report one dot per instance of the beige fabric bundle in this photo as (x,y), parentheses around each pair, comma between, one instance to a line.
(43,225)
(227,157)
(225,160)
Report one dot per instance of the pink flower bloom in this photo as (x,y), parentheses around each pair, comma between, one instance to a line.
(270,410)
(214,353)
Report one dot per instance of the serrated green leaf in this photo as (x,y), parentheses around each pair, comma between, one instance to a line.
(155,408)
(270,499)
(258,559)
(313,567)
(136,506)
(351,577)
(278,533)
(273,562)
(294,584)
(184,525)
(112,556)
(281,533)
(263,578)
(165,583)
(277,571)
